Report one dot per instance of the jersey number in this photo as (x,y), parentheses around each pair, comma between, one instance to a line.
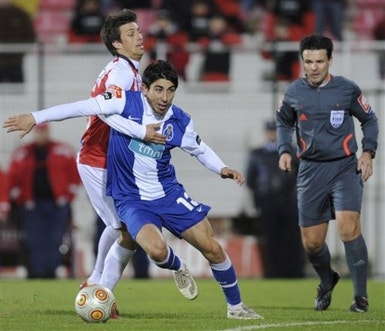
(186,201)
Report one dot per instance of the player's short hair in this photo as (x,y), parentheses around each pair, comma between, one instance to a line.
(315,42)
(160,69)
(110,31)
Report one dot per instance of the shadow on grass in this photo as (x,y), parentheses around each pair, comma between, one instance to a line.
(60,312)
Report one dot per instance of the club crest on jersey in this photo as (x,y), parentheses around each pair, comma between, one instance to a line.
(336,118)
(168,131)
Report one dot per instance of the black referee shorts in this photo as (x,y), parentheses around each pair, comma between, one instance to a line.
(326,187)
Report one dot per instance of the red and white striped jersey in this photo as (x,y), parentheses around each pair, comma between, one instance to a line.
(121,72)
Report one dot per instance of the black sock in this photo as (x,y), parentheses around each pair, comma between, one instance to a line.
(321,264)
(357,260)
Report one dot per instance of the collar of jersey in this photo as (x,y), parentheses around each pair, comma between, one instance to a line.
(328,79)
(133,63)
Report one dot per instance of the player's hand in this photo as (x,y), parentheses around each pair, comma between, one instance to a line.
(365,166)
(232,174)
(23,123)
(284,162)
(153,136)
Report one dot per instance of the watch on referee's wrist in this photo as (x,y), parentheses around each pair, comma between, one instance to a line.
(372,153)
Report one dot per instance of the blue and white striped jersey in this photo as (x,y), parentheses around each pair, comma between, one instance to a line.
(142,171)
(137,169)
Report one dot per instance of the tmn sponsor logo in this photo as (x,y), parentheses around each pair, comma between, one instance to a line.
(151,150)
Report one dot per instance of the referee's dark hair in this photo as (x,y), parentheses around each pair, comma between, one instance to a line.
(316,42)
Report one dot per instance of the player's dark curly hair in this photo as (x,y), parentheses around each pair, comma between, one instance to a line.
(110,31)
(315,42)
(158,70)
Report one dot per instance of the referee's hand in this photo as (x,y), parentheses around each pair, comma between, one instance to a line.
(284,162)
(365,166)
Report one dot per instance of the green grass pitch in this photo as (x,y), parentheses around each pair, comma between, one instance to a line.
(156,304)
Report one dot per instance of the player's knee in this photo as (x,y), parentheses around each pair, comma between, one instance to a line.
(126,241)
(312,246)
(214,252)
(157,251)
(349,231)
(350,235)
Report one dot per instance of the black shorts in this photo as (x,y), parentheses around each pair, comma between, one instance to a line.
(326,187)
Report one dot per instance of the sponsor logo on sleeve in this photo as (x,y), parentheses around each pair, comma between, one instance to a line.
(116,91)
(364,103)
(107,95)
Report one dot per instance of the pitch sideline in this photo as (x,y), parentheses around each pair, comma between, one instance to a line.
(281,325)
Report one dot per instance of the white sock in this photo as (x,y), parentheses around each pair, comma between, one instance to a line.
(116,260)
(233,307)
(107,238)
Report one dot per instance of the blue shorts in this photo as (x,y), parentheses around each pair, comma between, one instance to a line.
(326,187)
(176,212)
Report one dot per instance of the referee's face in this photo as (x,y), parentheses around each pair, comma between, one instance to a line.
(316,66)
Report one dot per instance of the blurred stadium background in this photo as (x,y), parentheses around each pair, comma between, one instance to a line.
(228,115)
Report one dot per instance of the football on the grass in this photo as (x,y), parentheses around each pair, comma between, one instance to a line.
(94,303)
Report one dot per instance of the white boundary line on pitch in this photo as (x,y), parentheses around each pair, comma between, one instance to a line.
(283,325)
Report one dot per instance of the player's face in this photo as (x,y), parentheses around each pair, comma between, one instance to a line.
(131,44)
(316,66)
(160,95)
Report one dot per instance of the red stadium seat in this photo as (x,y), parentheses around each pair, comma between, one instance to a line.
(57,5)
(53,18)
(215,77)
(49,24)
(146,18)
(365,21)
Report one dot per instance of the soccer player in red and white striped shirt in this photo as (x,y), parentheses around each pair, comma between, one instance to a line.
(123,38)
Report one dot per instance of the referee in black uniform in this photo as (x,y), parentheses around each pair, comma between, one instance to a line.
(321,107)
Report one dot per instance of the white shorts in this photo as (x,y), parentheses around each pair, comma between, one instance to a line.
(94,181)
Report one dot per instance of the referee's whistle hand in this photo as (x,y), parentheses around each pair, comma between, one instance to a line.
(284,162)
(365,166)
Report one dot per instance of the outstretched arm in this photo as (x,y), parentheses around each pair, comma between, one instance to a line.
(23,123)
(26,122)
(212,162)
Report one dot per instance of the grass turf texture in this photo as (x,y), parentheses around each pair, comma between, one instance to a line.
(157,305)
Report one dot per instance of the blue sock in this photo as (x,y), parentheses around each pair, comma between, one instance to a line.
(224,274)
(357,259)
(172,261)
